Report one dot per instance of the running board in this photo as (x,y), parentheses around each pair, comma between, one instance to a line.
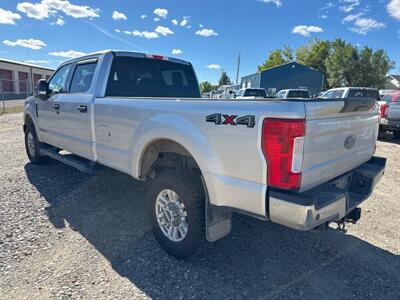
(71,160)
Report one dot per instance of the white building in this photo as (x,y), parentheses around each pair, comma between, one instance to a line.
(17,79)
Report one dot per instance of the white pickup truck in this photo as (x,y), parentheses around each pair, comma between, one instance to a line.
(302,164)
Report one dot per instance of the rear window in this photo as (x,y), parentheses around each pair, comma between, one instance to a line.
(298,94)
(145,77)
(361,93)
(255,93)
(391,98)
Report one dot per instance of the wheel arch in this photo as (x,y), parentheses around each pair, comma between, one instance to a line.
(163,149)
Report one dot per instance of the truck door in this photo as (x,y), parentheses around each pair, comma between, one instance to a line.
(50,129)
(76,110)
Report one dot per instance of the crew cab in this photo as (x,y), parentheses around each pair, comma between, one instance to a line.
(390,114)
(302,164)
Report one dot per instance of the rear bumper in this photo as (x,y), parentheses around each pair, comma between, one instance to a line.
(389,125)
(328,202)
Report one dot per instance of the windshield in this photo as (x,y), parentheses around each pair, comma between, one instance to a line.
(298,94)
(145,77)
(255,93)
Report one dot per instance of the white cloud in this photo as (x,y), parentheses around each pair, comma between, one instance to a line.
(163,30)
(37,11)
(176,51)
(201,25)
(145,34)
(206,32)
(32,61)
(59,22)
(117,30)
(156,19)
(351,18)
(161,12)
(278,3)
(8,17)
(364,25)
(349,5)
(150,35)
(46,8)
(67,54)
(143,16)
(306,30)
(393,9)
(30,43)
(119,15)
(214,67)
(184,21)
(175,22)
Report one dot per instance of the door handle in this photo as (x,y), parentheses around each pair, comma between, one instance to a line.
(82,108)
(56,106)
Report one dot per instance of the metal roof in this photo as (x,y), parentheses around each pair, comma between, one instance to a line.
(14,62)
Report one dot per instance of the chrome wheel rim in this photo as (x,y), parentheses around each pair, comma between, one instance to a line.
(171,215)
(31,144)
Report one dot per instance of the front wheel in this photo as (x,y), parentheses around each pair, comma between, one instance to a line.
(396,134)
(176,211)
(32,145)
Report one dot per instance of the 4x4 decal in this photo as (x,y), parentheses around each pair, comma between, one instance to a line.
(222,119)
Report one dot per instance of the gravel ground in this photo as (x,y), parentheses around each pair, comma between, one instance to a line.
(68,235)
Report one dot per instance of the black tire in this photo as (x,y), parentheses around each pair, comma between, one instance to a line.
(396,134)
(190,190)
(34,155)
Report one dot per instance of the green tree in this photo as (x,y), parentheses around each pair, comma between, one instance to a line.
(224,79)
(206,87)
(381,65)
(314,55)
(277,57)
(341,63)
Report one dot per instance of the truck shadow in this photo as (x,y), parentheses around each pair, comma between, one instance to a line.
(258,260)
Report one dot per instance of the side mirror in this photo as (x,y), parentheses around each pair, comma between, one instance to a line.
(42,89)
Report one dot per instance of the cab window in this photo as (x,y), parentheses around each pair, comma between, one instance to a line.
(59,82)
(83,77)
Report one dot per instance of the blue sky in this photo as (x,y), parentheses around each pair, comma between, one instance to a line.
(210,34)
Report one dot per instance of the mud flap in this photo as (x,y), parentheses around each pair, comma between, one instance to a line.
(218,220)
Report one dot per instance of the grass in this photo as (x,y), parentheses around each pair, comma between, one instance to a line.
(12,110)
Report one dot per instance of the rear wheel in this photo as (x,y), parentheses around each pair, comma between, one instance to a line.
(32,145)
(396,134)
(176,211)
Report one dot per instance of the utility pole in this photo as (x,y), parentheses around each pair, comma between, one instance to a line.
(238,69)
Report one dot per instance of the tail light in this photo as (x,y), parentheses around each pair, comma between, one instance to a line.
(384,110)
(282,145)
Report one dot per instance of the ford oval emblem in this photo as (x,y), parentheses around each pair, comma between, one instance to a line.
(349,142)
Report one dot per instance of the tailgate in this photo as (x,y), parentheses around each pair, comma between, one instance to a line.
(340,136)
(394,111)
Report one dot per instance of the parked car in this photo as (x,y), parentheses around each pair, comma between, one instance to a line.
(390,114)
(250,93)
(293,94)
(352,92)
(386,92)
(143,115)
